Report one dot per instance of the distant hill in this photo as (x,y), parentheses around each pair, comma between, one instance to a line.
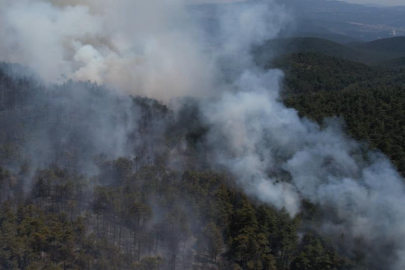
(363,22)
(337,21)
(369,98)
(341,39)
(389,45)
(313,64)
(312,72)
(308,44)
(394,63)
(367,52)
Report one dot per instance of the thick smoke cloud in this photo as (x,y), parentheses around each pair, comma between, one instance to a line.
(156,48)
(142,47)
(280,159)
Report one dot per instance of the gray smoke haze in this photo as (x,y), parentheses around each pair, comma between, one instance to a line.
(378,2)
(141,47)
(154,48)
(281,159)
(74,125)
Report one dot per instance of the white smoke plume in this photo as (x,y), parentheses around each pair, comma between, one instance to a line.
(155,48)
(280,159)
(141,47)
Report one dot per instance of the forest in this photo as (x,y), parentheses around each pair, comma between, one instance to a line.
(72,198)
(370,99)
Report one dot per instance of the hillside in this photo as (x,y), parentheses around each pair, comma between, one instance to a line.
(363,83)
(341,39)
(314,45)
(338,21)
(201,135)
(369,98)
(362,22)
(371,52)
(394,63)
(71,199)
(92,206)
(312,72)
(372,114)
(151,212)
(394,46)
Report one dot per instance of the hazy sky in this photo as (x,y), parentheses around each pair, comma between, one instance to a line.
(380,2)
(214,1)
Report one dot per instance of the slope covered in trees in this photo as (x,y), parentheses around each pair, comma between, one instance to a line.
(375,116)
(73,198)
(369,98)
(313,72)
(70,199)
(394,45)
(364,52)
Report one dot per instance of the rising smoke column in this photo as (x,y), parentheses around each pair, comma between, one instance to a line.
(154,48)
(149,48)
(282,159)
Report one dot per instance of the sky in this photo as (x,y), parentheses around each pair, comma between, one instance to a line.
(379,2)
(214,1)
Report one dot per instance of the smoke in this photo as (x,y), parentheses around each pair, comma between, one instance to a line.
(158,49)
(281,159)
(141,47)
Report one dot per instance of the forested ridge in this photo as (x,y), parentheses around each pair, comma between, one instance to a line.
(73,201)
(132,213)
(369,98)
(363,52)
